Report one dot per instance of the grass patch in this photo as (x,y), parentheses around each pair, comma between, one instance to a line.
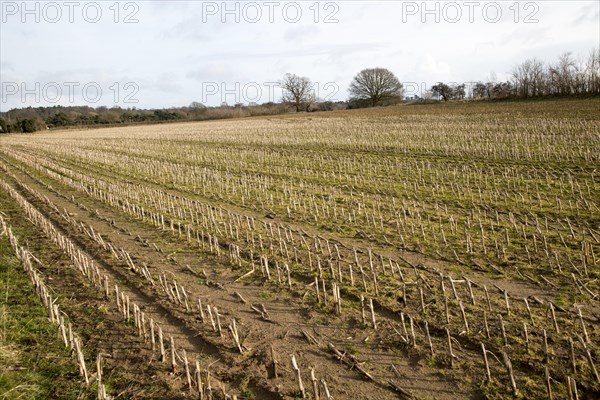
(265,295)
(34,363)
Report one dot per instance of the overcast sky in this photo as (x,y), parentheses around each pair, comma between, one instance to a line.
(155,54)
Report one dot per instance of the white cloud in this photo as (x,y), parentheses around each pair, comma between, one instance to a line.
(211,71)
(301,34)
(174,47)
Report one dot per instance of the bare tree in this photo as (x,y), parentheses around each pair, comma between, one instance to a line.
(592,72)
(297,90)
(528,78)
(521,75)
(537,77)
(375,84)
(562,74)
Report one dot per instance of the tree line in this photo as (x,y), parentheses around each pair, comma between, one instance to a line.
(532,78)
(369,88)
(31,119)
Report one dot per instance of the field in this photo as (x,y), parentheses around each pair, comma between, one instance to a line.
(428,252)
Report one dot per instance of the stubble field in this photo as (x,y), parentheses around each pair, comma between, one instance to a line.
(434,251)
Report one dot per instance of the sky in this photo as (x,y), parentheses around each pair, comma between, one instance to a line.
(161,54)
